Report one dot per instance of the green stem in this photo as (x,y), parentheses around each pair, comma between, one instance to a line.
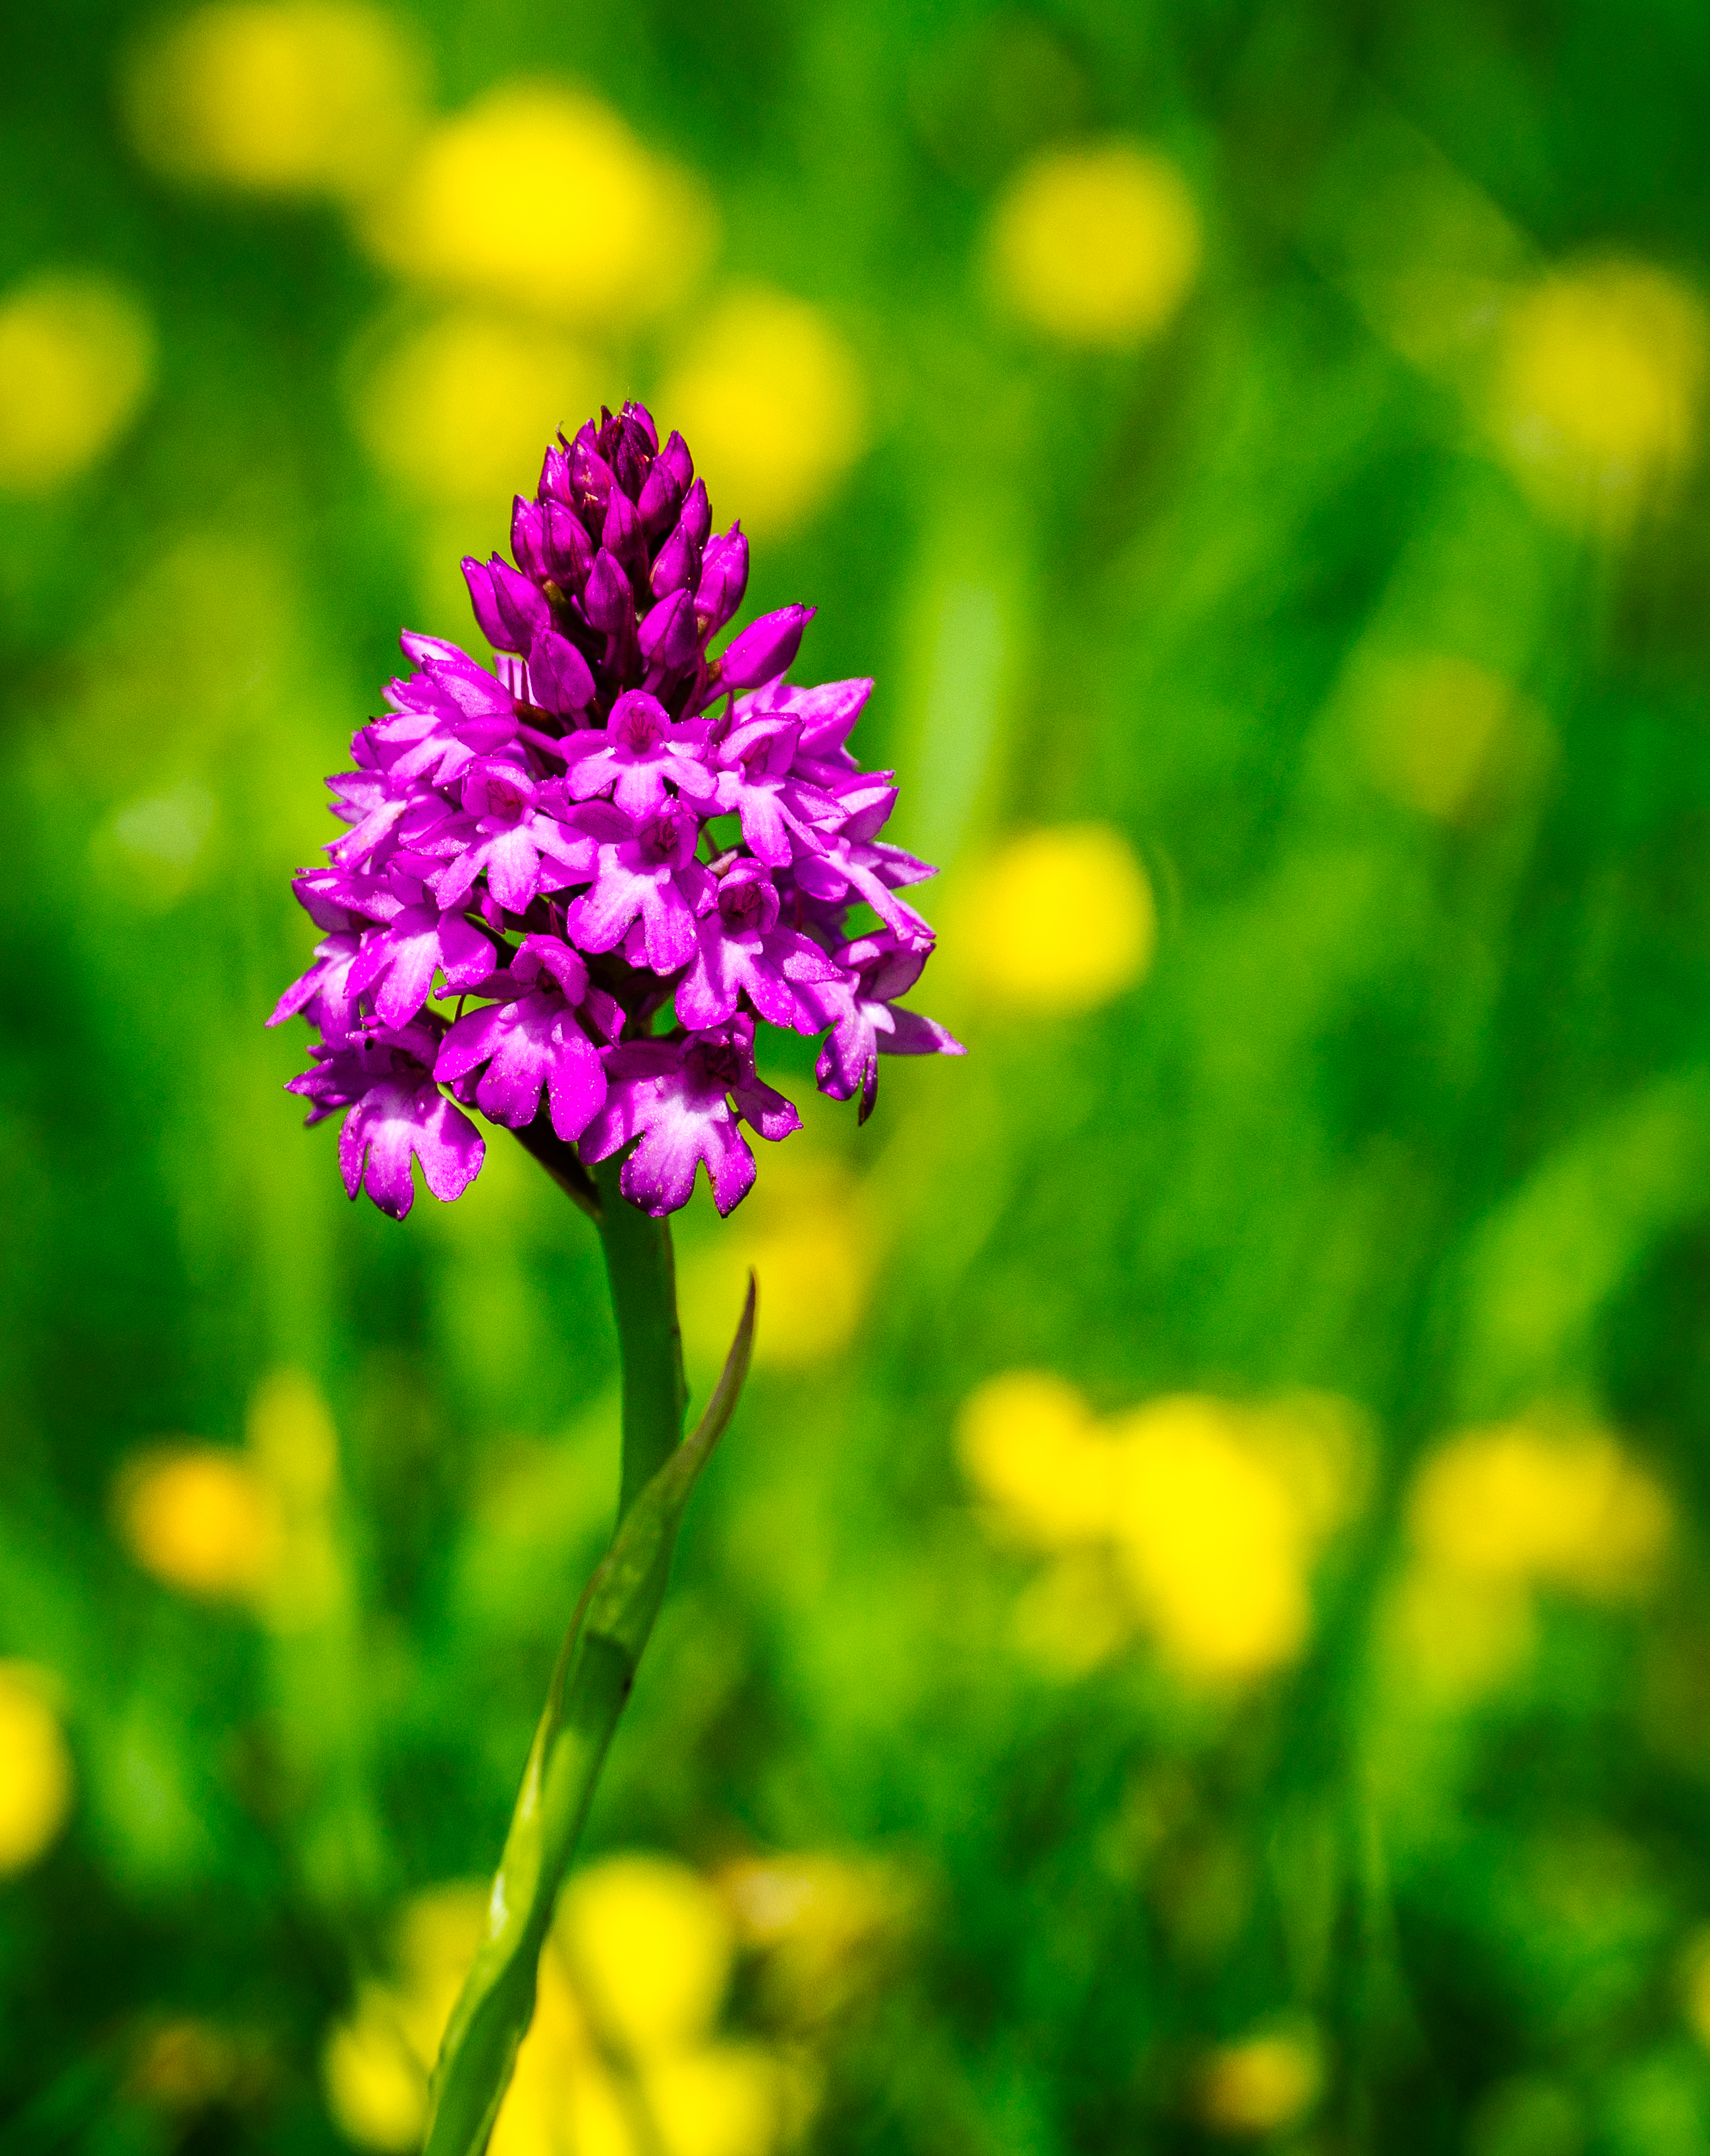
(595,1668)
(643,1279)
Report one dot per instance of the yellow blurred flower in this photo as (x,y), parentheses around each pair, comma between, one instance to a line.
(618,2060)
(462,409)
(1060,920)
(35,1768)
(376,2082)
(1259,2086)
(1561,1508)
(1496,1513)
(1214,1545)
(720,2100)
(651,1943)
(542,198)
(1600,388)
(201,1518)
(252,1527)
(769,400)
(1097,246)
(76,361)
(1209,1516)
(278,97)
(1449,739)
(1028,1443)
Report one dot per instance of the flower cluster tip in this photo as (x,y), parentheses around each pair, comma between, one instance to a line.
(616,849)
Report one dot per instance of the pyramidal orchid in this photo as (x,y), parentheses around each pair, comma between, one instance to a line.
(574,891)
(666,838)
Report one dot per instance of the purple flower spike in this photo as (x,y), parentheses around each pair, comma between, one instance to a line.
(669,636)
(661,493)
(566,551)
(623,539)
(757,780)
(394,1121)
(677,565)
(324,993)
(697,517)
(608,601)
(603,830)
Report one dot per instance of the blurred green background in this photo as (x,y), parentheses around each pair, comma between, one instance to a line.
(1197,1638)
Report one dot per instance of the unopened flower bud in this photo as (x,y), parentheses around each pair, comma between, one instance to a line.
(764,648)
(630,457)
(660,499)
(508,607)
(566,548)
(669,637)
(697,517)
(724,579)
(559,675)
(590,479)
(607,600)
(622,538)
(555,476)
(677,461)
(528,522)
(677,565)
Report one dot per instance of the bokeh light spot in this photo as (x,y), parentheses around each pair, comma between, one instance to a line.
(1060,920)
(1027,1443)
(76,361)
(1214,1548)
(770,399)
(1097,246)
(653,1942)
(36,1782)
(1600,388)
(720,2100)
(278,99)
(1191,1519)
(542,197)
(200,1519)
(1256,2087)
(1560,1508)
(818,1920)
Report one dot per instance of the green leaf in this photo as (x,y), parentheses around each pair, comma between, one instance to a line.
(592,1680)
